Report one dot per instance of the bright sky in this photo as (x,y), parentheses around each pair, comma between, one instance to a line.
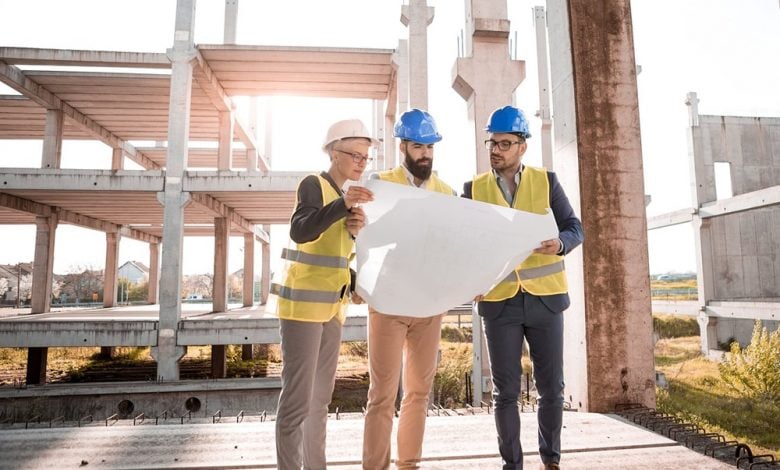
(724,50)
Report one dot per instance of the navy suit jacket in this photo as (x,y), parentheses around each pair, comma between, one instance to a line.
(569,231)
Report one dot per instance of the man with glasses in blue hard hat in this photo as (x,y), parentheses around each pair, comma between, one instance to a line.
(529,303)
(395,338)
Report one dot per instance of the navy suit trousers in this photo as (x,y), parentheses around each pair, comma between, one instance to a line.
(526,316)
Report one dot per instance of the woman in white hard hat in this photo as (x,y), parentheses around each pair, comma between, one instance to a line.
(314,291)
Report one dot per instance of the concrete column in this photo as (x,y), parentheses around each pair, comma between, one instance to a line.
(247,350)
(219,289)
(402,75)
(540,24)
(231,21)
(117,159)
(265,276)
(379,132)
(268,132)
(167,353)
(110,273)
(617,302)
(417,16)
(702,191)
(566,154)
(249,270)
(36,365)
(154,273)
(225,149)
(52,139)
(218,361)
(488,78)
(46,228)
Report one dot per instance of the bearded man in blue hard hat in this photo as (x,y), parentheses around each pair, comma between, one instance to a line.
(396,338)
(529,303)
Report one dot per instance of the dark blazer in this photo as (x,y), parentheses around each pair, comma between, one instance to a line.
(569,231)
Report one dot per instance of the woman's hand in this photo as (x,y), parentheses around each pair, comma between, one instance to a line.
(356,220)
(357,195)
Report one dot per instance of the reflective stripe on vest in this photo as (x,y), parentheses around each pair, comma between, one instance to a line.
(316,273)
(315,260)
(397,175)
(539,274)
(303,295)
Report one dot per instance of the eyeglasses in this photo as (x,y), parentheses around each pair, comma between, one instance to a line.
(502,145)
(356,157)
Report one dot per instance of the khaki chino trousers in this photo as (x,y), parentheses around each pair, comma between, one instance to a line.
(394,339)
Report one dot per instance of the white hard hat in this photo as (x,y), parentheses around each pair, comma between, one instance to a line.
(347,129)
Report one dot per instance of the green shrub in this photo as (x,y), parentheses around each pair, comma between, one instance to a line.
(673,326)
(754,372)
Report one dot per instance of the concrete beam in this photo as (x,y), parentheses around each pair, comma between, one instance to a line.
(220,209)
(16,79)
(681,216)
(746,310)
(34,56)
(63,333)
(253,331)
(73,218)
(230,181)
(82,180)
(741,202)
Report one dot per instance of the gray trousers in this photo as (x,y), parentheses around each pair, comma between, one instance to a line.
(310,353)
(526,316)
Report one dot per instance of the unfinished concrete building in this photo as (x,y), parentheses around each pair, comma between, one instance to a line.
(736,236)
(608,332)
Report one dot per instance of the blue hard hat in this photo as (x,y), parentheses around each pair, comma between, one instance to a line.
(418,126)
(508,120)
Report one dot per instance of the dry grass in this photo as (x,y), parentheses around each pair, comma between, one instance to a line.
(697,394)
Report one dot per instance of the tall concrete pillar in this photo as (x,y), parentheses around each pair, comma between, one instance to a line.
(225,149)
(265,276)
(417,16)
(219,292)
(110,273)
(46,228)
(619,358)
(487,77)
(543,73)
(52,139)
(218,361)
(154,273)
(249,270)
(167,353)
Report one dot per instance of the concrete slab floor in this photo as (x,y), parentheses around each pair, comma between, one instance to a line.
(590,441)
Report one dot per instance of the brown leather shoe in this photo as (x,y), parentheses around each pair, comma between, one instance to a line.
(550,466)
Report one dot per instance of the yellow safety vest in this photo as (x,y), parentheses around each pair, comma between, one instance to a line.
(316,273)
(538,274)
(397,175)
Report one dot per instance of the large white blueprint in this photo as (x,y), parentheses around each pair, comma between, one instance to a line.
(422,253)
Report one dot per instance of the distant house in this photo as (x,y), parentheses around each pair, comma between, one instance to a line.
(11,274)
(134,271)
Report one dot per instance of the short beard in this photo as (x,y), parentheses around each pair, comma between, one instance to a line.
(418,171)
